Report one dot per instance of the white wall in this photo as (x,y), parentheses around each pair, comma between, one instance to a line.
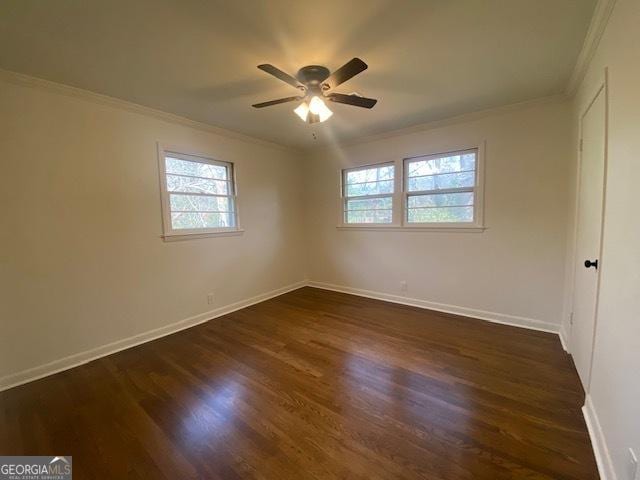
(82,263)
(512,272)
(614,390)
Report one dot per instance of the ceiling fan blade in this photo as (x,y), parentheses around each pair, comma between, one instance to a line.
(276,102)
(276,72)
(354,100)
(349,70)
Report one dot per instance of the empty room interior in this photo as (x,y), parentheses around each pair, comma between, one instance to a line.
(274,239)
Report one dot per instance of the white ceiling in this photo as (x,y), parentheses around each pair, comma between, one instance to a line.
(428,59)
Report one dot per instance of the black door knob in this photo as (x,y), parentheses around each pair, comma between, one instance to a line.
(589,263)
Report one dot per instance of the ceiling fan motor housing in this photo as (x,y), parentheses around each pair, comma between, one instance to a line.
(313,75)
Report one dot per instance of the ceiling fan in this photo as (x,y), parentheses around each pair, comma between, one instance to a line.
(314,81)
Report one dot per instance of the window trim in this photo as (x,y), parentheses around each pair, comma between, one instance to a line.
(395,196)
(400,197)
(171,234)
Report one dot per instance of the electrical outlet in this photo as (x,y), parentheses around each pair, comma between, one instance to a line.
(211,298)
(403,286)
(633,460)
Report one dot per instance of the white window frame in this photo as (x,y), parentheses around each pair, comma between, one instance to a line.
(169,233)
(400,197)
(478,220)
(395,196)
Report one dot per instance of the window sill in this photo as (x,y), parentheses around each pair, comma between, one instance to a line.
(178,237)
(417,228)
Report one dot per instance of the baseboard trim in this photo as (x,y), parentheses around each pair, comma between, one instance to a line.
(501,318)
(71,361)
(598,441)
(56,366)
(564,338)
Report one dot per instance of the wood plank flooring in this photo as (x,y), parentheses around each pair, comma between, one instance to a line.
(315,385)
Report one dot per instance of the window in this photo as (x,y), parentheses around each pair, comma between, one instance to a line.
(367,194)
(198,194)
(441,189)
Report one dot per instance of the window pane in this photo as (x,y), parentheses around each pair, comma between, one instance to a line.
(180,220)
(370,174)
(439,215)
(434,166)
(370,188)
(370,204)
(197,169)
(375,180)
(196,185)
(368,216)
(437,182)
(197,203)
(441,200)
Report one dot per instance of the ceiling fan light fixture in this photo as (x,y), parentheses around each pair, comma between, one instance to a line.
(313,112)
(319,108)
(302,111)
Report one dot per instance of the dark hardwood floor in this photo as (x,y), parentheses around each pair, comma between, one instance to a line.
(315,385)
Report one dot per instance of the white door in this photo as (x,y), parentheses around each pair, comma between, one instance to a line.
(588,235)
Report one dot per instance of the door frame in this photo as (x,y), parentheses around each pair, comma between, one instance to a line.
(602,87)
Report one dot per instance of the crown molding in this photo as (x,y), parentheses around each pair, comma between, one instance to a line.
(597,26)
(458,119)
(62,89)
